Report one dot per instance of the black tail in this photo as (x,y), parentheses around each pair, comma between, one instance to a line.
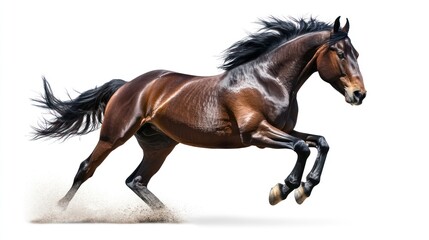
(76,116)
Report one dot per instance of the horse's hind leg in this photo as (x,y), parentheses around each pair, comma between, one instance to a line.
(156,147)
(112,135)
(86,170)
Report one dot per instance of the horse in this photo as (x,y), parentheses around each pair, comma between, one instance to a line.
(253,102)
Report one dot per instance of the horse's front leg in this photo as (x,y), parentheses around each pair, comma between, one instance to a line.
(267,135)
(313,178)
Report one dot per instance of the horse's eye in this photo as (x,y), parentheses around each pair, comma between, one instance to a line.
(341,54)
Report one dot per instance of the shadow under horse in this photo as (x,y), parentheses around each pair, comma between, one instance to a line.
(252,103)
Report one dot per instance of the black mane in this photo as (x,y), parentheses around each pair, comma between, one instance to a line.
(273,33)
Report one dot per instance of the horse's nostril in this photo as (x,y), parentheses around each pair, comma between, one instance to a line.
(357,94)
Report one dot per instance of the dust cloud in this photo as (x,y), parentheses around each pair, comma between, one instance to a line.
(116,215)
(43,208)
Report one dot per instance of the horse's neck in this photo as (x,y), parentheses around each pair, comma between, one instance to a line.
(295,61)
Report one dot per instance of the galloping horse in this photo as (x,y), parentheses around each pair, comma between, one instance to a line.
(252,103)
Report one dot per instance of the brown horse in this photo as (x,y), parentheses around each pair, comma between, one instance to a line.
(253,103)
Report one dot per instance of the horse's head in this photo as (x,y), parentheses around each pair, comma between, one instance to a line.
(337,64)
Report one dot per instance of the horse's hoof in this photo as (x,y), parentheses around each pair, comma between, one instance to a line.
(300,195)
(275,194)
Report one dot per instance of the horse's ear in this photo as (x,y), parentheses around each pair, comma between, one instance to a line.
(337,24)
(346,27)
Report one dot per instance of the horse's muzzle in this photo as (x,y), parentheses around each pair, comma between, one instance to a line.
(355,97)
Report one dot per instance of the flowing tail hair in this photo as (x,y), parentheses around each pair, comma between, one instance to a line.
(77,116)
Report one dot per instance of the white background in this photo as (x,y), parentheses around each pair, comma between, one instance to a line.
(375,180)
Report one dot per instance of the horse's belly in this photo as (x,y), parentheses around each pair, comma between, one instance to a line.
(209,134)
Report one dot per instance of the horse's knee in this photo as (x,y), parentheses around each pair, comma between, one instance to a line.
(301,148)
(323,145)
